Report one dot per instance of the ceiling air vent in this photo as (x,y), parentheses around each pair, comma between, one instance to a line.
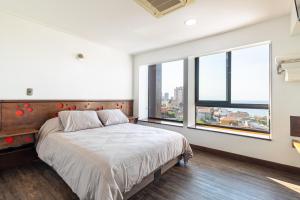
(159,8)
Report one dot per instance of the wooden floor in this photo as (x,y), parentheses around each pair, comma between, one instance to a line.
(206,177)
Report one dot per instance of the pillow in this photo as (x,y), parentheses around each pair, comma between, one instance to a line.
(79,120)
(113,116)
(50,126)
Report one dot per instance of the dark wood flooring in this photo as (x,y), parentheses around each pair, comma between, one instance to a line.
(207,177)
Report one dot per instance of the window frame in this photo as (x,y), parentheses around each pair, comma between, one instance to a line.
(227,103)
(163,119)
(297,10)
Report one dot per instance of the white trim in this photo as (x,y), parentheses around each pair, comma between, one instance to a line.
(235,48)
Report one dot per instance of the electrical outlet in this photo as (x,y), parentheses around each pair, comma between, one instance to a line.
(29,91)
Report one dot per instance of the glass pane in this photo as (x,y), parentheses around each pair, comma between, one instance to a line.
(212,77)
(165,83)
(252,119)
(172,90)
(250,75)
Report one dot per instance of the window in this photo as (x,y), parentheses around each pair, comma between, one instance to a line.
(165,91)
(232,89)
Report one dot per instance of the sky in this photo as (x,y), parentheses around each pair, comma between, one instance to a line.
(172,76)
(250,75)
(212,77)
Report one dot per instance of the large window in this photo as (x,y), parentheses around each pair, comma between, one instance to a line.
(165,91)
(232,89)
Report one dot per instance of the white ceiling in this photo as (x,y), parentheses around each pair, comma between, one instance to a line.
(125,25)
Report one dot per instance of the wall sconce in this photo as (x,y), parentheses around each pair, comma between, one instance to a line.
(80,56)
(290,66)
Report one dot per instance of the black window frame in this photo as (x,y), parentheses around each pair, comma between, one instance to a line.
(227,103)
(157,118)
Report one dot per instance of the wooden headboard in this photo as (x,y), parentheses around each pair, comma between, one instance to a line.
(28,114)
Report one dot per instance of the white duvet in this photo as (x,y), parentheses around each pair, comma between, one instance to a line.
(104,163)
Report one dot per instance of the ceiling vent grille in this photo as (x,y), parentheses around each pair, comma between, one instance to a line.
(159,8)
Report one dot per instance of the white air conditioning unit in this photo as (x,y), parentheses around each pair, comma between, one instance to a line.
(295,18)
(159,8)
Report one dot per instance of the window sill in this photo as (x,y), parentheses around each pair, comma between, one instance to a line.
(163,122)
(243,133)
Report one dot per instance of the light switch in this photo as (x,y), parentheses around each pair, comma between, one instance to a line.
(29,91)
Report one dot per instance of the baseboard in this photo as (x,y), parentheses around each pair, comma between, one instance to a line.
(265,163)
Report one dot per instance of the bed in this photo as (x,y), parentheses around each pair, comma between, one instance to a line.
(112,162)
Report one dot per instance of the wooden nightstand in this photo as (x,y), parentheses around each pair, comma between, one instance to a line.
(133,119)
(17,147)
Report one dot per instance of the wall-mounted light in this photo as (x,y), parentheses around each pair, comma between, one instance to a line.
(80,56)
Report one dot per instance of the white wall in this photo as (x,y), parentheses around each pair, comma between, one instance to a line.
(143,92)
(35,56)
(285,96)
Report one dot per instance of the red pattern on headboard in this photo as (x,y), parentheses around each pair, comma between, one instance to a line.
(32,114)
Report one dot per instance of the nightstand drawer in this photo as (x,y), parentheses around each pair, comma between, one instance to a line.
(16,138)
(17,141)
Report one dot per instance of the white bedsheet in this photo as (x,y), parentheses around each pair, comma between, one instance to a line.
(104,163)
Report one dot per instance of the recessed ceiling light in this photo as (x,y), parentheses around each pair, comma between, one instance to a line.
(190,22)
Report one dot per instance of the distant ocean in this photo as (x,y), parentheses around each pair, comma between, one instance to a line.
(250,102)
(252,112)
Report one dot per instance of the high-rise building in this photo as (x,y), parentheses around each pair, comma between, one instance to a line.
(178,95)
(166,96)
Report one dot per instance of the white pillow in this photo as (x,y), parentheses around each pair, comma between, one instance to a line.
(79,120)
(113,116)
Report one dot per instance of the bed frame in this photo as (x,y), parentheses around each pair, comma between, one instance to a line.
(153,177)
